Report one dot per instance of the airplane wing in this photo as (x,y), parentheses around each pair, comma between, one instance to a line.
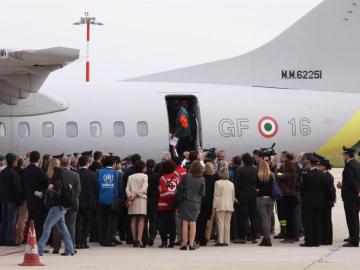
(24,71)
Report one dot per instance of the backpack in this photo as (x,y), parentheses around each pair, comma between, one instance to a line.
(68,196)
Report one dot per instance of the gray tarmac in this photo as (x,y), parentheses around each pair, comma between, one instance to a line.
(236,256)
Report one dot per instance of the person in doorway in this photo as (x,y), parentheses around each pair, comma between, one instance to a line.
(182,128)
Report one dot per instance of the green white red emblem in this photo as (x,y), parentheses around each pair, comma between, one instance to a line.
(268,127)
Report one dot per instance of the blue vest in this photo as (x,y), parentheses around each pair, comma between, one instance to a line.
(108,181)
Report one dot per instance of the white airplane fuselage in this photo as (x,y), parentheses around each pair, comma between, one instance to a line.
(229,118)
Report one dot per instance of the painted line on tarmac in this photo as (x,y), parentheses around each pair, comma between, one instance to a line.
(322,259)
(11,252)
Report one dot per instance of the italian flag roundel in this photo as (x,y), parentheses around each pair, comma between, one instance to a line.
(268,127)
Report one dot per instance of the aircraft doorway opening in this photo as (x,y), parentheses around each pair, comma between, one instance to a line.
(177,107)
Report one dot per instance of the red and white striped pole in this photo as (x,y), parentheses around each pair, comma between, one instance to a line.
(87,76)
(87,20)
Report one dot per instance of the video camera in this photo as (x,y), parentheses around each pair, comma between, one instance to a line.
(211,153)
(267,152)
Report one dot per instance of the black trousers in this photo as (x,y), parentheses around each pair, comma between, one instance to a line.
(247,213)
(352,219)
(84,222)
(152,217)
(39,217)
(204,216)
(312,225)
(289,203)
(234,226)
(94,229)
(327,227)
(167,225)
(106,220)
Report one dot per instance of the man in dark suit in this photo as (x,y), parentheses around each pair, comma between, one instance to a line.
(312,193)
(36,183)
(245,194)
(11,198)
(87,202)
(350,193)
(73,179)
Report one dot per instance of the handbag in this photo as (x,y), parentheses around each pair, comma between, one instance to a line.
(116,203)
(179,194)
(276,193)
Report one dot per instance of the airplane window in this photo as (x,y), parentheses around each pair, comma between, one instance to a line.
(48,129)
(119,129)
(142,128)
(95,129)
(71,129)
(24,129)
(2,130)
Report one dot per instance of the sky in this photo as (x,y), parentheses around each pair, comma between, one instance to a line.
(140,37)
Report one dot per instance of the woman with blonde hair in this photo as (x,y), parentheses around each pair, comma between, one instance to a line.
(223,206)
(264,201)
(206,203)
(53,163)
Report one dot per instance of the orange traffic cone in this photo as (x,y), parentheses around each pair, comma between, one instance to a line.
(31,256)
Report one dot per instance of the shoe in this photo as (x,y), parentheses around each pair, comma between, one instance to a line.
(218,245)
(75,251)
(351,245)
(287,241)
(306,245)
(136,244)
(85,246)
(279,236)
(171,245)
(192,247)
(240,241)
(254,241)
(225,245)
(347,239)
(55,251)
(141,244)
(151,243)
(66,254)
(163,245)
(183,248)
(117,242)
(46,251)
(108,245)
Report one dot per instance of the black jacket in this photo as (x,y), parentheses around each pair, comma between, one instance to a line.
(330,191)
(351,181)
(245,185)
(153,188)
(35,179)
(10,186)
(95,166)
(312,189)
(89,188)
(209,188)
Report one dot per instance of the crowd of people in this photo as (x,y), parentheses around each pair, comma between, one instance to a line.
(188,200)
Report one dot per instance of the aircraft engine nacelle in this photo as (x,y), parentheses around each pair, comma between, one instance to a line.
(4,54)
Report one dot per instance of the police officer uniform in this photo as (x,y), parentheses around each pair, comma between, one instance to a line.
(312,194)
(350,193)
(329,201)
